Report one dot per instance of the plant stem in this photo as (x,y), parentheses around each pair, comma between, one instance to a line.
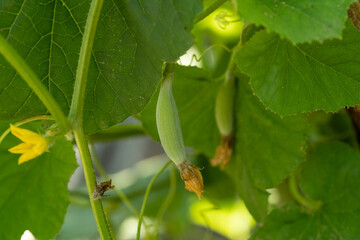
(76,115)
(34,83)
(146,198)
(105,176)
(168,199)
(96,205)
(209,10)
(307,202)
(77,103)
(116,132)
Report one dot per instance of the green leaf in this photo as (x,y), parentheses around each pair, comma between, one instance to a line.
(332,176)
(267,147)
(34,195)
(255,199)
(131,42)
(194,94)
(300,21)
(291,79)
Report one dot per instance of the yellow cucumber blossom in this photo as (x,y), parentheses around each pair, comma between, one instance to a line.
(33,144)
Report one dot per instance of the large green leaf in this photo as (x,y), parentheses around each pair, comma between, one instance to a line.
(34,195)
(267,148)
(300,21)
(132,40)
(194,94)
(332,176)
(291,79)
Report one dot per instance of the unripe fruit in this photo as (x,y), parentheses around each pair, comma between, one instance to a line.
(224,114)
(224,106)
(167,120)
(168,124)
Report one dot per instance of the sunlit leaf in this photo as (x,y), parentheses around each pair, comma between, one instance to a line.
(300,21)
(291,79)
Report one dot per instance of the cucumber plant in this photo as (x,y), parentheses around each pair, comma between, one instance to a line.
(271,96)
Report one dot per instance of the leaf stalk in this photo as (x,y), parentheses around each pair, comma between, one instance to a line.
(76,115)
(209,10)
(96,205)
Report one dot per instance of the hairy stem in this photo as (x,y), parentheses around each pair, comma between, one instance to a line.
(77,103)
(76,115)
(34,83)
(146,198)
(209,10)
(96,205)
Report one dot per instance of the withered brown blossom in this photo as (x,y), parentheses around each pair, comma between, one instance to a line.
(192,177)
(223,152)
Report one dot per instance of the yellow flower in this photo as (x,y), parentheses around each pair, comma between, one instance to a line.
(33,144)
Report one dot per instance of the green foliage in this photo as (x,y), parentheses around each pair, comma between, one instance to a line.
(281,142)
(300,21)
(267,148)
(131,42)
(34,194)
(330,175)
(292,79)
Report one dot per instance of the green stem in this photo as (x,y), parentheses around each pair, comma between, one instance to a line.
(168,199)
(146,198)
(96,205)
(34,83)
(209,10)
(76,115)
(116,132)
(307,202)
(105,176)
(77,103)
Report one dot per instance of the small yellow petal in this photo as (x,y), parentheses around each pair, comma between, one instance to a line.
(27,156)
(21,148)
(33,144)
(40,147)
(25,135)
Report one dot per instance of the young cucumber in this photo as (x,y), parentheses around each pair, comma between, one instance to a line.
(168,124)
